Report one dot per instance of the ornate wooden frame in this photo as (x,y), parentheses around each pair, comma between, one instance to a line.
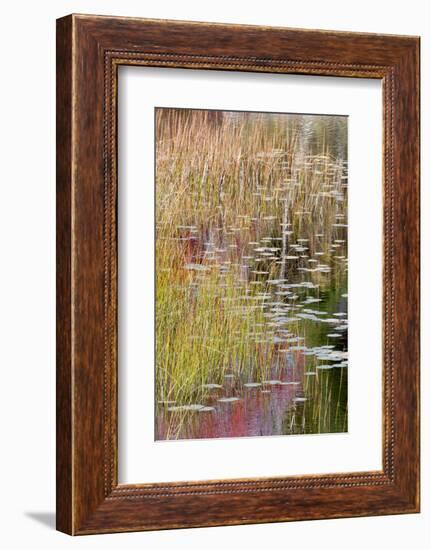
(89,51)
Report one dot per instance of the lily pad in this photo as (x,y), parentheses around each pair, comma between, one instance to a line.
(196,267)
(195,407)
(228,399)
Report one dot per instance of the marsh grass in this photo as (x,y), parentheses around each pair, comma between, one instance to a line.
(243,203)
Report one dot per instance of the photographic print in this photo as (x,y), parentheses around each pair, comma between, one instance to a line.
(251,307)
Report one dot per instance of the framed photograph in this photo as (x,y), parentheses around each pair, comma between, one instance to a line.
(237,274)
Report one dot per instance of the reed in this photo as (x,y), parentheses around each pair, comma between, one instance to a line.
(235,194)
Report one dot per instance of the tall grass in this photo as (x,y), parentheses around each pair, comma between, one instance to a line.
(229,186)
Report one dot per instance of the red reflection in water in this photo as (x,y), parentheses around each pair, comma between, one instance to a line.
(259,410)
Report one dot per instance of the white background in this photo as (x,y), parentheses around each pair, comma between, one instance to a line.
(27,122)
(141,458)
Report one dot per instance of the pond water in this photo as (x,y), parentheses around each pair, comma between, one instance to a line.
(305,391)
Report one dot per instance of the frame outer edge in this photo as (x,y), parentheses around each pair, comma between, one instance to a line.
(407,272)
(64,368)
